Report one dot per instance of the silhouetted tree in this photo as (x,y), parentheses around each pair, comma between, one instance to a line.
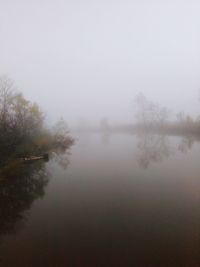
(150,115)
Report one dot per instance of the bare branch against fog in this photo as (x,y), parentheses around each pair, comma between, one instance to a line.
(150,114)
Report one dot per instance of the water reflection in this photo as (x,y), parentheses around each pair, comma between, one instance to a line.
(105,138)
(152,148)
(155,148)
(186,144)
(104,211)
(20,185)
(62,159)
(17,193)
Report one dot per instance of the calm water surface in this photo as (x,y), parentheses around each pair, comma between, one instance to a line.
(118,200)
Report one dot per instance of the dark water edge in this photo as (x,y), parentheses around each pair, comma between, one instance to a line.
(117,200)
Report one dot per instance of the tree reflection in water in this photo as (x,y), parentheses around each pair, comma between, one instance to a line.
(61,157)
(186,144)
(20,185)
(17,193)
(155,148)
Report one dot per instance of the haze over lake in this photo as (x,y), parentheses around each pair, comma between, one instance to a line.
(93,57)
(99,133)
(119,201)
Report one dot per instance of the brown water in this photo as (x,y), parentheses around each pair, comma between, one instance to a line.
(117,200)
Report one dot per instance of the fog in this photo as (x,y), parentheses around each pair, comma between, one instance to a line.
(90,58)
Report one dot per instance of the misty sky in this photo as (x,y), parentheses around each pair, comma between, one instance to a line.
(81,58)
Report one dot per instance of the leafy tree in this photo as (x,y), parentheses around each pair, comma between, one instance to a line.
(22,124)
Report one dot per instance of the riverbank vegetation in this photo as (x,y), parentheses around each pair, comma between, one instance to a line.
(23,131)
(151,117)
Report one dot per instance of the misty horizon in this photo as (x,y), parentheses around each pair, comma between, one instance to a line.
(99,133)
(89,59)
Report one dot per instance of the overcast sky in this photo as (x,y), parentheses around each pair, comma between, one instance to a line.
(89,58)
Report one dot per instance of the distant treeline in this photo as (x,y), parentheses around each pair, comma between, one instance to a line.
(152,118)
(22,126)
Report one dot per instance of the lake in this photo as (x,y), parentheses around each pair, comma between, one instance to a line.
(114,200)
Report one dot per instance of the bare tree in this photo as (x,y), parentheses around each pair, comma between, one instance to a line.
(6,101)
(150,114)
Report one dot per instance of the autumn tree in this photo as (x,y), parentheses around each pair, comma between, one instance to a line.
(22,123)
(18,116)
